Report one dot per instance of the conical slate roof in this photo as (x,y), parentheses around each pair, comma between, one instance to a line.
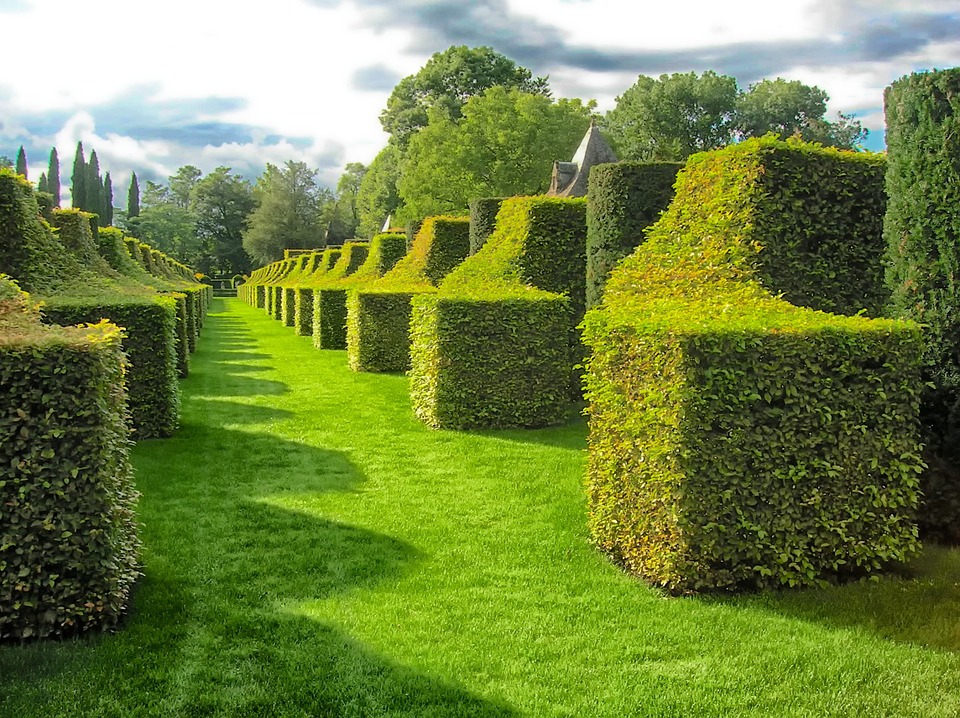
(570,178)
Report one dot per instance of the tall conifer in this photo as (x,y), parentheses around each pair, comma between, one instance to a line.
(78,183)
(22,163)
(106,215)
(42,183)
(94,190)
(53,177)
(133,197)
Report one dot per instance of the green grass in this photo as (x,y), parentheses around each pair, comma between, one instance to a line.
(313,550)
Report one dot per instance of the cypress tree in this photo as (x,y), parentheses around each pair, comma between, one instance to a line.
(94,201)
(22,163)
(42,183)
(78,183)
(106,216)
(133,197)
(53,177)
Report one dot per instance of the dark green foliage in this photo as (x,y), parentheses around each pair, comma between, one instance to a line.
(623,199)
(483,220)
(500,362)
(42,184)
(94,187)
(183,340)
(133,197)
(532,268)
(922,230)
(78,181)
(381,342)
(737,440)
(150,344)
(303,311)
(288,307)
(413,228)
(385,251)
(53,177)
(69,552)
(330,300)
(22,163)
(106,213)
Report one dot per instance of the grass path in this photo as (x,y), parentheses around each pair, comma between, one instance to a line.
(313,550)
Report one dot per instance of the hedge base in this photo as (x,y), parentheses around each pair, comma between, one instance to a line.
(378,331)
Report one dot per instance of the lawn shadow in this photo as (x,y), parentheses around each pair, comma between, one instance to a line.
(918,604)
(233,550)
(571,435)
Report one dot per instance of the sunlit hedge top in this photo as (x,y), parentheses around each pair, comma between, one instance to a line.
(440,245)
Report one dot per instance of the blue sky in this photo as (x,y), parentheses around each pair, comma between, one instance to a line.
(153,86)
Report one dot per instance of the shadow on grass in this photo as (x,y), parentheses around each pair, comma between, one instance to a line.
(233,549)
(919,605)
(572,435)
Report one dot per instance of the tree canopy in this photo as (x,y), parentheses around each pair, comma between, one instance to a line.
(446,82)
(672,117)
(505,144)
(377,197)
(287,213)
(222,202)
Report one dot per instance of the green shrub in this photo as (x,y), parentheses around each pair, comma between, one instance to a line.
(378,325)
(921,227)
(149,326)
(483,220)
(412,230)
(532,267)
(330,301)
(736,439)
(69,552)
(623,199)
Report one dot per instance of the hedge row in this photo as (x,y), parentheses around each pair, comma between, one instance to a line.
(494,346)
(69,553)
(922,227)
(623,199)
(738,439)
(483,220)
(378,314)
(329,302)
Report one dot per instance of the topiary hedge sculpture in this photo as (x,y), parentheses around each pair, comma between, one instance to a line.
(495,346)
(378,314)
(739,437)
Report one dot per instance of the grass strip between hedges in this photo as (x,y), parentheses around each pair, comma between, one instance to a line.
(312,549)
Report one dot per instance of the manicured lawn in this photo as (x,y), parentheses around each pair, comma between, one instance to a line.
(313,550)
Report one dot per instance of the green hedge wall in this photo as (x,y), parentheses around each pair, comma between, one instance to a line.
(922,227)
(490,362)
(737,440)
(69,552)
(532,267)
(623,199)
(330,301)
(378,327)
(149,342)
(483,220)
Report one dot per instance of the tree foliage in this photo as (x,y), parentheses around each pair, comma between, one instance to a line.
(504,145)
(133,197)
(106,214)
(446,82)
(340,214)
(287,213)
(377,196)
(78,181)
(22,162)
(222,202)
(182,184)
(672,117)
(53,176)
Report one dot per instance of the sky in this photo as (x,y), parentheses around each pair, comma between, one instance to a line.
(155,86)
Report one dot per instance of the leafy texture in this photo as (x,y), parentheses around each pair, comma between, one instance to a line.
(922,228)
(69,552)
(738,436)
(495,346)
(623,199)
(378,315)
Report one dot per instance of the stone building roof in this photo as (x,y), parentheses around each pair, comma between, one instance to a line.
(569,179)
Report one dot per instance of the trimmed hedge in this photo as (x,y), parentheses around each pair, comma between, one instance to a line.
(922,227)
(329,301)
(483,220)
(69,552)
(378,315)
(532,268)
(623,199)
(149,342)
(737,440)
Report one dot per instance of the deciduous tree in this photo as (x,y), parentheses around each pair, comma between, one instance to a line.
(377,196)
(222,202)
